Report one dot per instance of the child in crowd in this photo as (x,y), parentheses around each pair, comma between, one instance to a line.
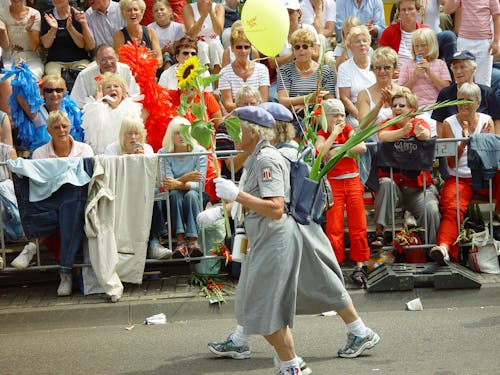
(425,75)
(341,52)
(167,29)
(347,190)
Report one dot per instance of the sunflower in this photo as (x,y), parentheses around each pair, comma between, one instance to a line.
(187,72)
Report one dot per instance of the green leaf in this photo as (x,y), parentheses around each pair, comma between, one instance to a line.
(206,81)
(202,132)
(198,110)
(183,107)
(233,128)
(184,131)
(350,154)
(324,121)
(315,168)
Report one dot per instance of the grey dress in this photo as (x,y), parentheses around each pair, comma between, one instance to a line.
(267,289)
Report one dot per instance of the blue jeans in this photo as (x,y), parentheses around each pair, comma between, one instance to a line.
(11,219)
(64,210)
(447,41)
(158,227)
(184,207)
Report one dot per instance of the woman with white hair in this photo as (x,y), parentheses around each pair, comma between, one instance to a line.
(184,177)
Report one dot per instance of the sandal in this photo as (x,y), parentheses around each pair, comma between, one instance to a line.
(180,251)
(376,240)
(195,250)
(358,276)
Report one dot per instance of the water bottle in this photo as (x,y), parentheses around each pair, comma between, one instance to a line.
(239,245)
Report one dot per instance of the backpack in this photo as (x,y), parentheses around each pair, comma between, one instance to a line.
(309,199)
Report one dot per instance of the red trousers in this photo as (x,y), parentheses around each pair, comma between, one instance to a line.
(348,194)
(448,230)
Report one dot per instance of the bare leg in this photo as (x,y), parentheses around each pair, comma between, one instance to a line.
(348,314)
(282,342)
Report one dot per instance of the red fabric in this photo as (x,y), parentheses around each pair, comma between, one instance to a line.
(148,13)
(211,104)
(348,193)
(209,181)
(345,165)
(53,243)
(176,6)
(391,36)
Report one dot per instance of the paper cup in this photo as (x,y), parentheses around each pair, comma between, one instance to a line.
(414,305)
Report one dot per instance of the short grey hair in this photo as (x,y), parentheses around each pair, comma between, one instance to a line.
(471,91)
(265,134)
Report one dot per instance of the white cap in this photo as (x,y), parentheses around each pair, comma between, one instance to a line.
(292,4)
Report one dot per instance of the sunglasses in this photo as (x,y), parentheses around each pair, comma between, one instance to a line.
(399,105)
(299,46)
(242,47)
(384,67)
(186,53)
(48,90)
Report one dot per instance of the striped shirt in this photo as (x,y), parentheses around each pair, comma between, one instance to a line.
(230,81)
(476,18)
(290,79)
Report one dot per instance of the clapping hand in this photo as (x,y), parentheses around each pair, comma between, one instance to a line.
(51,21)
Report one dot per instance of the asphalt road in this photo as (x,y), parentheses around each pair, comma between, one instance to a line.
(452,335)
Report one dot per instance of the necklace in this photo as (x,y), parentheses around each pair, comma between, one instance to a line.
(305,71)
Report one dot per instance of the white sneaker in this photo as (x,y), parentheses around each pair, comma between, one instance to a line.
(410,220)
(23,260)
(66,285)
(160,252)
(304,368)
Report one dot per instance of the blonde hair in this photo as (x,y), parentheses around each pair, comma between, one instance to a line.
(303,36)
(173,127)
(265,134)
(407,95)
(52,78)
(347,25)
(125,3)
(166,4)
(109,78)
(358,31)
(417,3)
(427,36)
(470,90)
(248,92)
(131,123)
(56,116)
(237,33)
(283,131)
(383,54)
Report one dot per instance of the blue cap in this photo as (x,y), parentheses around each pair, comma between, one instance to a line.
(463,55)
(255,115)
(278,111)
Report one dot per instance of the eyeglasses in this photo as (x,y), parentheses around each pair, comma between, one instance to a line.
(398,105)
(383,67)
(50,90)
(303,46)
(186,53)
(242,47)
(60,127)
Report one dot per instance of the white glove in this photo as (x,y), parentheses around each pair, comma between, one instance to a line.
(226,189)
(208,217)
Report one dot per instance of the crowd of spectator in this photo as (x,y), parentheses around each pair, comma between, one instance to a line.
(373,67)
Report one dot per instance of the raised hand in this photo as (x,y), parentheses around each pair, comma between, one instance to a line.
(51,21)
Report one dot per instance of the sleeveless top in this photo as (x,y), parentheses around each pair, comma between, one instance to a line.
(145,37)
(384,113)
(463,169)
(207,30)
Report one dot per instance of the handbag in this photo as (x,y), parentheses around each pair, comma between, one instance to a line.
(483,255)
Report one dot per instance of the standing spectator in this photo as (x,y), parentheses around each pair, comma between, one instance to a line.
(347,191)
(370,12)
(355,75)
(242,71)
(465,123)
(321,14)
(204,20)
(104,19)
(183,177)
(463,65)
(475,33)
(67,36)
(84,89)
(132,13)
(167,29)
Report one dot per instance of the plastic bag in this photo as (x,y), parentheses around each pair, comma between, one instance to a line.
(483,256)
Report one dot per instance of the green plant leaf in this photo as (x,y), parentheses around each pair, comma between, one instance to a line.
(202,132)
(315,168)
(184,131)
(183,107)
(207,81)
(198,110)
(233,128)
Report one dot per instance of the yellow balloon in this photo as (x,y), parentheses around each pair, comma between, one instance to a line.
(266,25)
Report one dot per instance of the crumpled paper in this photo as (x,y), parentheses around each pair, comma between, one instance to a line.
(156,319)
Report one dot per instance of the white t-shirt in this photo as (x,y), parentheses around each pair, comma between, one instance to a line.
(404,53)
(170,34)
(350,75)
(168,79)
(329,11)
(287,48)
(116,149)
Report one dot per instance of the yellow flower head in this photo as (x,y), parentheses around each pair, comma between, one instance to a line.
(187,72)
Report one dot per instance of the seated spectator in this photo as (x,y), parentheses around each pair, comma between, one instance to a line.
(183,177)
(425,75)
(67,36)
(184,48)
(355,74)
(320,14)
(299,78)
(370,13)
(463,66)
(167,29)
(467,122)
(407,190)
(204,20)
(84,89)
(228,56)
(102,118)
(131,141)
(61,145)
(55,98)
(242,71)
(341,53)
(132,13)
(104,19)
(347,191)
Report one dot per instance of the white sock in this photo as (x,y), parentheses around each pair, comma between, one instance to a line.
(238,336)
(357,328)
(284,365)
